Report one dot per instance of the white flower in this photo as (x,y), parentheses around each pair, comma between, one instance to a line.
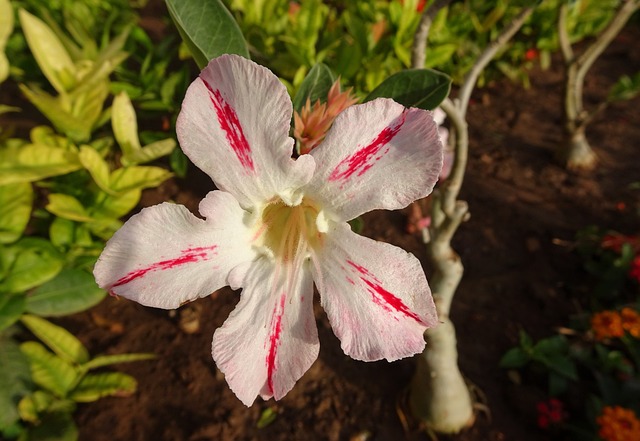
(278,224)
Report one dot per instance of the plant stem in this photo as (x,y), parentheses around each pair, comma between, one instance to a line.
(419,48)
(575,150)
(439,396)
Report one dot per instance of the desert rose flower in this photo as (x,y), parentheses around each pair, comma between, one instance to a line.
(277,225)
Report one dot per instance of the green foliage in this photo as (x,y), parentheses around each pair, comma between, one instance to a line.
(207,28)
(6,28)
(421,88)
(314,87)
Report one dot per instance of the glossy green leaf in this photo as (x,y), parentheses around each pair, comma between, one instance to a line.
(421,88)
(207,28)
(97,167)
(48,371)
(61,341)
(69,292)
(106,360)
(28,263)
(14,382)
(95,386)
(34,162)
(67,207)
(12,306)
(15,200)
(126,179)
(314,87)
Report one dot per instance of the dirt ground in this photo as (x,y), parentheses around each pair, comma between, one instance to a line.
(520,273)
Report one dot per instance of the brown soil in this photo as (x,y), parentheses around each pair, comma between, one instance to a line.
(520,273)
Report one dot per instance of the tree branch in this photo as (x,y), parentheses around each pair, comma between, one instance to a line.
(563,35)
(419,48)
(487,55)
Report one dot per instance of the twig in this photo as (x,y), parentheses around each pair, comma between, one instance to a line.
(419,48)
(487,55)
(563,35)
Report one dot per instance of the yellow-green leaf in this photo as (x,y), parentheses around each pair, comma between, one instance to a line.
(114,207)
(6,28)
(67,207)
(61,341)
(150,152)
(106,360)
(98,167)
(95,386)
(33,162)
(29,262)
(15,200)
(138,177)
(49,52)
(48,371)
(31,406)
(125,125)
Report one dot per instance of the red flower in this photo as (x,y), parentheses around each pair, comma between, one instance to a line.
(550,412)
(531,54)
(634,272)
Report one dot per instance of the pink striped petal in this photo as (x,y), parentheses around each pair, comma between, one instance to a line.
(376,296)
(165,256)
(270,339)
(234,125)
(376,155)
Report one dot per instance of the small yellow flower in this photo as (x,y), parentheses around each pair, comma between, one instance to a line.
(312,123)
(618,424)
(607,324)
(631,321)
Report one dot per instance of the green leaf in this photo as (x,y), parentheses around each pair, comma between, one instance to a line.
(267,417)
(315,86)
(29,262)
(95,386)
(55,426)
(106,360)
(34,162)
(61,341)
(179,163)
(62,232)
(124,124)
(53,59)
(69,292)
(114,207)
(14,381)
(75,127)
(6,28)
(15,200)
(67,207)
(48,371)
(11,309)
(515,358)
(150,152)
(626,88)
(207,28)
(31,406)
(421,88)
(97,167)
(126,179)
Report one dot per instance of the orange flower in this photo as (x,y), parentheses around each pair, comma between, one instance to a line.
(607,324)
(618,424)
(631,321)
(312,124)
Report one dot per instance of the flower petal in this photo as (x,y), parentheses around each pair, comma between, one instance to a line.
(375,294)
(270,339)
(376,155)
(234,125)
(165,256)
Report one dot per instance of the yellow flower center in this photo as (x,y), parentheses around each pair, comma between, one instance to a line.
(289,231)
